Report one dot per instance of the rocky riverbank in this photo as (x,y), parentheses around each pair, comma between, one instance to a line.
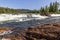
(46,31)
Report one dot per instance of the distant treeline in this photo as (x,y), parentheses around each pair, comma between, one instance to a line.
(10,10)
(52,8)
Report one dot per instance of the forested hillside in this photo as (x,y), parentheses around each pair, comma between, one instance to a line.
(11,10)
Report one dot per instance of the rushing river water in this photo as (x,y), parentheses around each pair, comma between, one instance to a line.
(24,24)
(26,20)
(30,22)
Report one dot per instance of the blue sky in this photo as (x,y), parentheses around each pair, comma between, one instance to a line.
(25,4)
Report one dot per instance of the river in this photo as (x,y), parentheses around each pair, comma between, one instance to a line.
(30,22)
